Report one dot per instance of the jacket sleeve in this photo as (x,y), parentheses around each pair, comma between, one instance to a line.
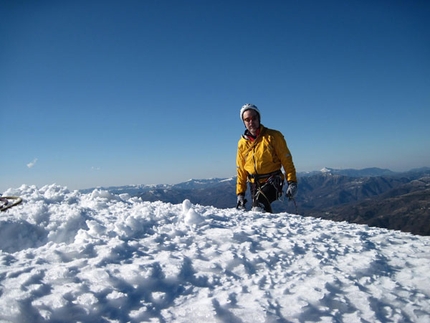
(242,174)
(285,157)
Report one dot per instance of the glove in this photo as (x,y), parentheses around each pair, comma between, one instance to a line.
(291,190)
(241,202)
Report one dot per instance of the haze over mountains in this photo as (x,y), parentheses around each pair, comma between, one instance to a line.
(373,196)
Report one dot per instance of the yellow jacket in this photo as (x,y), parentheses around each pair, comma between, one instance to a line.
(266,154)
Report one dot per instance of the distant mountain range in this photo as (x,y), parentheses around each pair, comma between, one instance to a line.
(400,201)
(365,172)
(372,196)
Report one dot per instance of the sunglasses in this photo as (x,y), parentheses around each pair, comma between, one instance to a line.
(248,120)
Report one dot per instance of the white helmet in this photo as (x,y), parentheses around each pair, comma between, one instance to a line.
(249,106)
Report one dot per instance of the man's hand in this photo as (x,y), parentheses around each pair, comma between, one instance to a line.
(291,190)
(241,202)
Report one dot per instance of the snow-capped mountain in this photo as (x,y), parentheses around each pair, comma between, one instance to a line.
(365,172)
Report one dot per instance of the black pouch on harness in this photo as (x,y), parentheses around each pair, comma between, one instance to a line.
(277,182)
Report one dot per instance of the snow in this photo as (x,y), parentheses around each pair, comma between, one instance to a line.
(66,256)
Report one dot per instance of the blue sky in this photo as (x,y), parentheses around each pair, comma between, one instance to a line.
(99,93)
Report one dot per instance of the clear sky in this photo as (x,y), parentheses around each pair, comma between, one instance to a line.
(100,93)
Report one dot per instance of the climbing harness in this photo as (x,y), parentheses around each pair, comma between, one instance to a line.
(277,182)
(273,179)
(5,202)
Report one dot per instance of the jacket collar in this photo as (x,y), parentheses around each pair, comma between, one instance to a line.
(247,135)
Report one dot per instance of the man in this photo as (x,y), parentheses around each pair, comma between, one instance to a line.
(261,153)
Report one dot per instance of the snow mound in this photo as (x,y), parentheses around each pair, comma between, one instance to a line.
(100,257)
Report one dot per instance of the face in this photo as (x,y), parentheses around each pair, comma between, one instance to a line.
(250,118)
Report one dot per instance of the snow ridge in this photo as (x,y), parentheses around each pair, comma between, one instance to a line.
(102,257)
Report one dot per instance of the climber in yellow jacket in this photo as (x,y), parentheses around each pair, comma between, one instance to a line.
(261,153)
